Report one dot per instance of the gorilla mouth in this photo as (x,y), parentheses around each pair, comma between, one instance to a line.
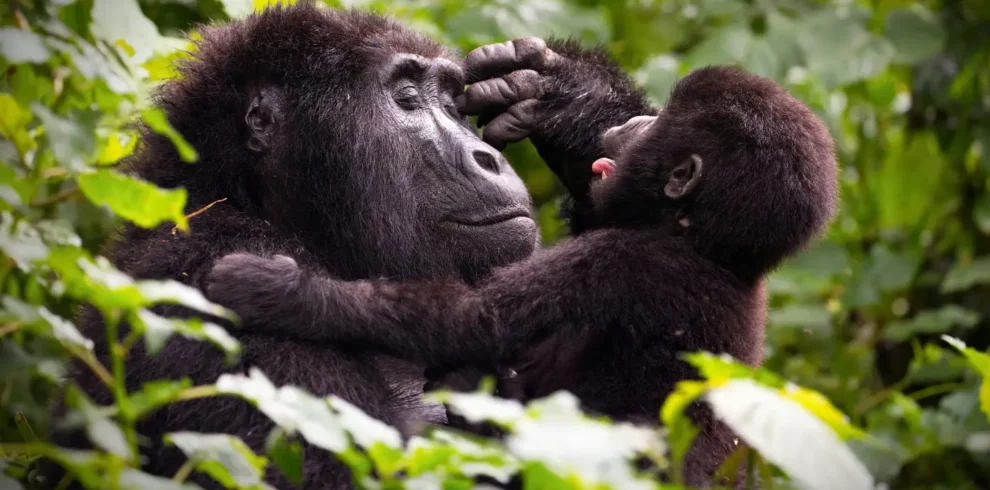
(490,219)
(603,167)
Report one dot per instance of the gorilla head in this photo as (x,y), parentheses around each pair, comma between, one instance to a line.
(340,128)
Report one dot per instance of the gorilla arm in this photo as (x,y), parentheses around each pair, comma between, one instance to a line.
(438,324)
(559,95)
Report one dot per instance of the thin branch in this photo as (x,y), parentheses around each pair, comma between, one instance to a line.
(175,229)
(66,195)
(96,367)
(10,328)
(184,471)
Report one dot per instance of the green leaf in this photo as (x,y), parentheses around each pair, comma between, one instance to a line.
(136,200)
(287,455)
(291,408)
(72,139)
(963,275)
(19,46)
(116,20)
(839,48)
(931,321)
(480,407)
(21,242)
(573,445)
(156,394)
(180,294)
(103,432)
(157,331)
(365,430)
(63,330)
(815,318)
(238,9)
(224,457)
(156,120)
(980,361)
(915,32)
(789,436)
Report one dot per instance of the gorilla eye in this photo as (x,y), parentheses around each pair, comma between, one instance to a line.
(407,98)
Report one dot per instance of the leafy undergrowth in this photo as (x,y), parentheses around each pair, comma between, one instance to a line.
(859,318)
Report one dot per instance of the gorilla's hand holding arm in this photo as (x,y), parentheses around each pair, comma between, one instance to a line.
(557,94)
(438,324)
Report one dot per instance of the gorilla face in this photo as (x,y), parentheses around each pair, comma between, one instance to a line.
(357,148)
(469,202)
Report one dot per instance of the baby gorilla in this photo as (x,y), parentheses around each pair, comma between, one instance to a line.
(701,202)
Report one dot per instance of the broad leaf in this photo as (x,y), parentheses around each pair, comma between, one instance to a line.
(136,200)
(19,46)
(789,436)
(224,457)
(291,408)
(156,120)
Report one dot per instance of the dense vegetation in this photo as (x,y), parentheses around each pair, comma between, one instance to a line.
(873,318)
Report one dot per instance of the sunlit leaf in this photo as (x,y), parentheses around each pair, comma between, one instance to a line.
(19,46)
(64,330)
(789,436)
(291,408)
(157,331)
(365,430)
(158,123)
(115,20)
(131,479)
(71,139)
(102,431)
(138,201)
(224,457)
(115,147)
(21,242)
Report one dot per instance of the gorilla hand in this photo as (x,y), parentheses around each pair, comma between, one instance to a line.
(561,96)
(256,288)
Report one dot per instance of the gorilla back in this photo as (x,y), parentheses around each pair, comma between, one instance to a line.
(331,137)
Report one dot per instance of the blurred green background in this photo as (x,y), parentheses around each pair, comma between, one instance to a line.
(904,87)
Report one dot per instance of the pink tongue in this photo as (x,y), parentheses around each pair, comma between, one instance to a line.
(603,166)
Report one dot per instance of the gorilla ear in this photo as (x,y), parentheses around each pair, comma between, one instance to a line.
(684,178)
(262,114)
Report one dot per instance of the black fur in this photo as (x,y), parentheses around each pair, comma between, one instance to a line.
(674,261)
(319,138)
(310,149)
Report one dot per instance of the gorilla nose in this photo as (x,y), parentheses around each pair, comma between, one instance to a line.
(489,159)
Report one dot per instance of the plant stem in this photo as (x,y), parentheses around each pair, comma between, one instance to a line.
(66,195)
(197,392)
(10,328)
(184,471)
(125,414)
(94,365)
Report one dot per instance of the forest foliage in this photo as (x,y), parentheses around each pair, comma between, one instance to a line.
(868,380)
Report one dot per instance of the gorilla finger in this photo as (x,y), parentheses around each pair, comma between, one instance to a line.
(511,126)
(494,60)
(496,94)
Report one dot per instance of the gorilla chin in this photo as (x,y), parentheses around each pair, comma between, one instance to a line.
(511,235)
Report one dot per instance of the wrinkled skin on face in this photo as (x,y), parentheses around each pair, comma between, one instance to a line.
(468,196)
(433,197)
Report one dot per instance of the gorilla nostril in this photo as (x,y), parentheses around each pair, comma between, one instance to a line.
(487,161)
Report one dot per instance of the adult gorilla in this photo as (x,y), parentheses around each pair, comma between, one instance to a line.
(333,137)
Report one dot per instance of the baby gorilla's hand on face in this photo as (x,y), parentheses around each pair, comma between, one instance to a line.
(256,288)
